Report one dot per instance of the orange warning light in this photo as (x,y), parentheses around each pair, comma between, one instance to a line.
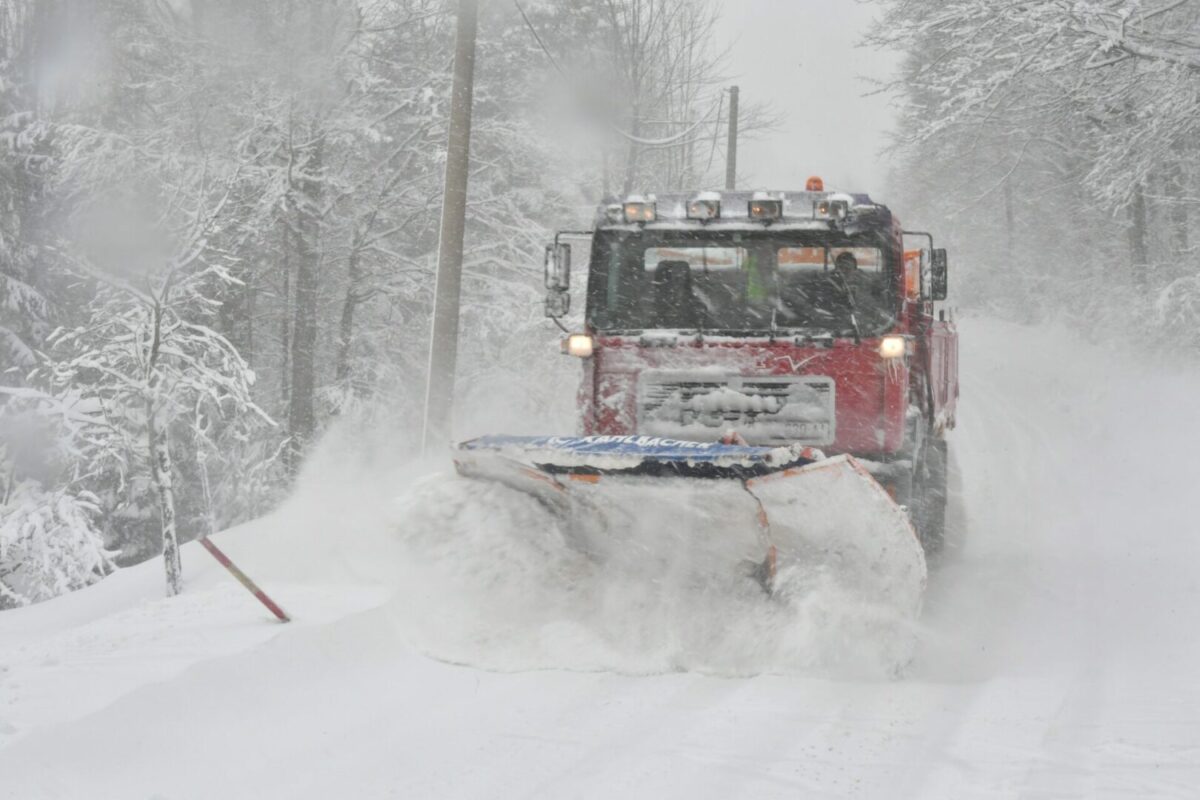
(815,184)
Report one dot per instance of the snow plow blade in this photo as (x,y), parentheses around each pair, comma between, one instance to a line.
(782,516)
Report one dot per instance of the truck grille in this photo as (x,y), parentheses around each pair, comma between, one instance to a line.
(765,410)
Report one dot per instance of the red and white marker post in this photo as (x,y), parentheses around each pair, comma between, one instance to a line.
(244,579)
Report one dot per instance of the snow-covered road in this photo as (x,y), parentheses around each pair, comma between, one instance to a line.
(1059,651)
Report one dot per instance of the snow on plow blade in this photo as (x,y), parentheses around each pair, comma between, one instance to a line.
(771,514)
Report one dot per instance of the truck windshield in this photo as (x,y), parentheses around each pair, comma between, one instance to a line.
(743,282)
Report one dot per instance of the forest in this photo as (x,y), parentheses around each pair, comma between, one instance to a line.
(219,218)
(1057,143)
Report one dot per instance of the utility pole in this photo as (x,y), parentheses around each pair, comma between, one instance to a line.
(443,344)
(731,155)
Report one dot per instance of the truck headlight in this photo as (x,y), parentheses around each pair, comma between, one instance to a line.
(893,347)
(580,345)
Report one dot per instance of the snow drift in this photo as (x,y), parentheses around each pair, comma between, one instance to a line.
(496,580)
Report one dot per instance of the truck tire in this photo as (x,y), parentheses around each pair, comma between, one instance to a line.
(903,485)
(930,516)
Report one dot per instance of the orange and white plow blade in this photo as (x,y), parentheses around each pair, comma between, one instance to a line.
(834,514)
(829,520)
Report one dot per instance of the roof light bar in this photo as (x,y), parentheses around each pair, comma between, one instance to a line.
(704,209)
(640,211)
(766,210)
(831,209)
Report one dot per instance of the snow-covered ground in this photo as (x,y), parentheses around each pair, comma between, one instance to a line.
(1057,656)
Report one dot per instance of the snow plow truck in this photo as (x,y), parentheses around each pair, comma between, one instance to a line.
(768,378)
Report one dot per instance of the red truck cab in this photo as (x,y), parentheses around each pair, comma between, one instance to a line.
(778,317)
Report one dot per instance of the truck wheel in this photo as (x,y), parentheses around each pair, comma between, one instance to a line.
(902,485)
(930,517)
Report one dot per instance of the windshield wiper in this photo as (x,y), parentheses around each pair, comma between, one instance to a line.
(841,282)
(699,305)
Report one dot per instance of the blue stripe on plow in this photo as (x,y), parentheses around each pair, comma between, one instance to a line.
(649,448)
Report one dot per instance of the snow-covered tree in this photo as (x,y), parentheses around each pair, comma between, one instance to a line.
(51,536)
(210,207)
(151,365)
(1016,117)
(152,372)
(50,542)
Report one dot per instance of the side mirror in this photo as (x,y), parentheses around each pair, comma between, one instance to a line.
(558,279)
(558,267)
(557,304)
(940,279)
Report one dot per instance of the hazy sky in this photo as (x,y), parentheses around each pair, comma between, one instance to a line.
(801,55)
